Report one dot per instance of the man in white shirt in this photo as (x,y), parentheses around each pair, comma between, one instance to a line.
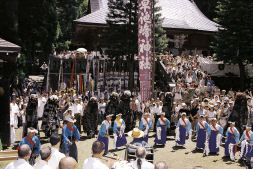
(45,154)
(140,161)
(24,153)
(56,156)
(14,111)
(93,162)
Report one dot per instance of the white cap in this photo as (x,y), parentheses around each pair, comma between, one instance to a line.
(230,122)
(119,114)
(29,130)
(183,114)
(109,115)
(69,119)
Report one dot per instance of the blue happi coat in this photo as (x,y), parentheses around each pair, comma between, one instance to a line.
(246,142)
(70,132)
(33,143)
(163,124)
(104,130)
(212,133)
(184,126)
(201,128)
(145,125)
(232,138)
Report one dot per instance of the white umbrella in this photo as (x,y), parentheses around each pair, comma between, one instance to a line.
(81,50)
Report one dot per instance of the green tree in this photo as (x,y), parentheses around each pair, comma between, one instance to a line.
(207,7)
(161,41)
(233,42)
(122,33)
(9,20)
(67,11)
(37,21)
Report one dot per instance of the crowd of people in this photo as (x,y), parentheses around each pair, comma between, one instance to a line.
(195,109)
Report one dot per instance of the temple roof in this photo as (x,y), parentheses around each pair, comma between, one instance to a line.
(6,46)
(177,14)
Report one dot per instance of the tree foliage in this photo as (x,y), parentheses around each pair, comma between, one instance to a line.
(233,42)
(37,23)
(207,7)
(67,11)
(123,22)
(9,20)
(161,41)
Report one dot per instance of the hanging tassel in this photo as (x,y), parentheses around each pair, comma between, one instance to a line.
(190,136)
(218,140)
(115,139)
(231,152)
(206,150)
(243,144)
(177,134)
(122,129)
(159,132)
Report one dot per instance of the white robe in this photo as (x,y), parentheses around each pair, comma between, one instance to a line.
(41,164)
(56,157)
(12,127)
(19,164)
(14,110)
(94,163)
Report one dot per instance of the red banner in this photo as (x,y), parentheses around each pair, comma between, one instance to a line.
(145,47)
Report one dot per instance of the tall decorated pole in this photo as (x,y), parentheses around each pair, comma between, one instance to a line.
(145,46)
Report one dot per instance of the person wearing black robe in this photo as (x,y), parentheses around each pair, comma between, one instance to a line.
(127,114)
(91,117)
(112,107)
(50,118)
(31,113)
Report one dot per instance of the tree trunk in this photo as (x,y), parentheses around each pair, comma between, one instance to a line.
(131,72)
(242,76)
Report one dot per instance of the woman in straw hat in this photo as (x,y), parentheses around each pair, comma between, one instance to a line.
(145,125)
(103,134)
(183,128)
(137,135)
(161,129)
(118,131)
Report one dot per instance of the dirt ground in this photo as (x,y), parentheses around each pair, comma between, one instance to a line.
(175,157)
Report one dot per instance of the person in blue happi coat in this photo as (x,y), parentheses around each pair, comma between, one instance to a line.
(246,142)
(232,140)
(70,135)
(201,128)
(161,129)
(145,125)
(214,133)
(183,128)
(103,134)
(34,143)
(118,132)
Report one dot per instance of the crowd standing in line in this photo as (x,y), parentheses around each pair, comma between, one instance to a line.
(195,108)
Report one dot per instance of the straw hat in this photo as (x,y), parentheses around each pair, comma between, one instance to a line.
(136,133)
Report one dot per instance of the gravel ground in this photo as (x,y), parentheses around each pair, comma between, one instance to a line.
(175,157)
